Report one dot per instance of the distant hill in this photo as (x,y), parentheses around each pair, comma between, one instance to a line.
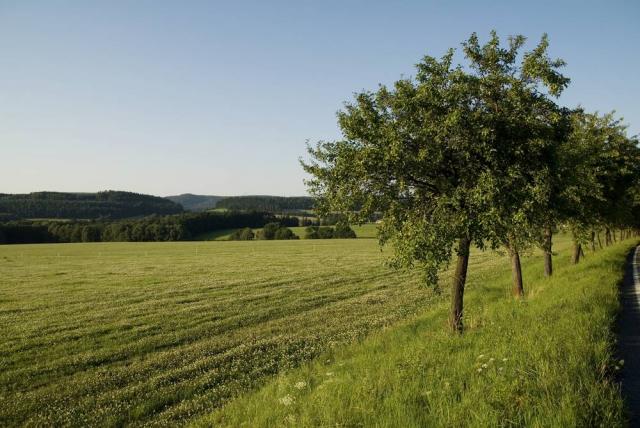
(192,202)
(107,204)
(267,203)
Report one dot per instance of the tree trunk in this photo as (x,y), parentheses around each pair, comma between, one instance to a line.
(548,261)
(599,240)
(613,235)
(593,241)
(577,250)
(516,272)
(457,289)
(581,252)
(607,236)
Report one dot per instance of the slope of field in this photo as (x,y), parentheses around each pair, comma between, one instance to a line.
(544,361)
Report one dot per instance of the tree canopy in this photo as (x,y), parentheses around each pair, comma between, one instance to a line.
(474,153)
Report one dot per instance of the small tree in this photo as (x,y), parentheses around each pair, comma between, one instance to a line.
(311,232)
(285,233)
(343,231)
(268,232)
(245,234)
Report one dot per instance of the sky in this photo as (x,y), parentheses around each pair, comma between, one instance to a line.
(220,97)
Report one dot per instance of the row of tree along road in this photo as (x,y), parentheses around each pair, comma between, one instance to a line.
(479,153)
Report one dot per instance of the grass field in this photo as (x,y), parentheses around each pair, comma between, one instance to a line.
(547,360)
(166,333)
(159,332)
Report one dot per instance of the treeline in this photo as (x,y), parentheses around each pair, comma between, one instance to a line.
(191,202)
(273,204)
(276,231)
(479,154)
(154,228)
(108,204)
(340,231)
(270,231)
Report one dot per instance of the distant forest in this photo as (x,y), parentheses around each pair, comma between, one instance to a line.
(264,203)
(109,204)
(155,228)
(41,217)
(192,202)
(272,204)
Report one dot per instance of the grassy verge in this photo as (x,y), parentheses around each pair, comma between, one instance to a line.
(543,361)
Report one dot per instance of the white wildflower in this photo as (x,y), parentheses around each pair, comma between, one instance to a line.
(287,400)
(300,385)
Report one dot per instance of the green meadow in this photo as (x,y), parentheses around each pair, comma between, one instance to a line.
(300,333)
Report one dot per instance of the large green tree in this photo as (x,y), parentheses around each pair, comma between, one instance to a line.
(437,155)
(519,125)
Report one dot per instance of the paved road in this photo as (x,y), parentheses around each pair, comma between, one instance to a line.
(629,336)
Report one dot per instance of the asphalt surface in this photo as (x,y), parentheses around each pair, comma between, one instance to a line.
(629,337)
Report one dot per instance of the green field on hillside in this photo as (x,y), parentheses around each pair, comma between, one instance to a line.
(164,333)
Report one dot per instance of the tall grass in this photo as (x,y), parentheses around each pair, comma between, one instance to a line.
(542,361)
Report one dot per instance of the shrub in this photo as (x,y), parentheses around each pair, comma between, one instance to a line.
(343,231)
(318,232)
(285,233)
(245,234)
(269,230)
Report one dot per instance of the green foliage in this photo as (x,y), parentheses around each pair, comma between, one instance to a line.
(269,230)
(191,202)
(273,204)
(285,233)
(155,228)
(245,234)
(275,231)
(108,204)
(456,152)
(341,231)
(318,232)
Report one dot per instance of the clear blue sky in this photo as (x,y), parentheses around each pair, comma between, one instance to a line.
(219,97)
